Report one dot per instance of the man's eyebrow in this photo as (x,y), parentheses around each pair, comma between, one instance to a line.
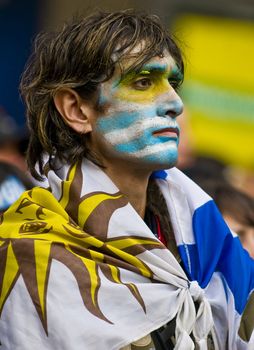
(151,67)
(176,73)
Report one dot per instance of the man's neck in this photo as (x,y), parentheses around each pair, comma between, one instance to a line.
(133,184)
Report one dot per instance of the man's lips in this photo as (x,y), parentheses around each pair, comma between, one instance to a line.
(169,132)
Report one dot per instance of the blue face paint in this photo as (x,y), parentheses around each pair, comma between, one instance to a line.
(176,108)
(155,67)
(168,156)
(121,120)
(139,143)
(176,73)
(132,134)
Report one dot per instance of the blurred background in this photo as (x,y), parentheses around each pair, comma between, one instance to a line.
(217,39)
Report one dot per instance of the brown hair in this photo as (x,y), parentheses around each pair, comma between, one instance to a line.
(81,55)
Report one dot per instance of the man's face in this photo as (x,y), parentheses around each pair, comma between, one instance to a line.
(136,118)
(244,231)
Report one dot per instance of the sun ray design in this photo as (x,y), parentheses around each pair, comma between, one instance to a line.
(38,230)
(42,265)
(9,272)
(33,272)
(113,274)
(66,185)
(99,207)
(86,273)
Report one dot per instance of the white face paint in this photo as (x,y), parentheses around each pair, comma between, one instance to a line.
(139,119)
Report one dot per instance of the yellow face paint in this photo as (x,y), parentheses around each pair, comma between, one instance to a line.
(153,80)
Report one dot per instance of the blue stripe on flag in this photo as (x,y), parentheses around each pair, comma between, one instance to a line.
(160,174)
(217,250)
(238,268)
(188,253)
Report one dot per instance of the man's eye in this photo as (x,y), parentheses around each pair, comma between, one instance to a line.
(175,84)
(142,84)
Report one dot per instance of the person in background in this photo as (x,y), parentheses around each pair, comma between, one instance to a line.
(12,141)
(12,184)
(13,145)
(203,167)
(122,251)
(236,207)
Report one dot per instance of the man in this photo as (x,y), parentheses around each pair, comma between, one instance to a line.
(117,253)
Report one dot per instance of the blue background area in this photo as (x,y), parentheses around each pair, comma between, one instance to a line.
(18,24)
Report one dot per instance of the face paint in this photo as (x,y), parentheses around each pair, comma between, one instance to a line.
(139,122)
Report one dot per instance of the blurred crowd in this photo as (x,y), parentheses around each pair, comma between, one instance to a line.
(14,177)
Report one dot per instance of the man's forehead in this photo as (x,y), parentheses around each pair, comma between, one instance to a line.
(164,62)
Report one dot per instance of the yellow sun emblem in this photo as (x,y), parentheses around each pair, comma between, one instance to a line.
(38,229)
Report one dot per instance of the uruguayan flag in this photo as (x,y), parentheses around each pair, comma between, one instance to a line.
(82,270)
(212,254)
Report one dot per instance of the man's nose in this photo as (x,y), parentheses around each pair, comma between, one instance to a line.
(171,105)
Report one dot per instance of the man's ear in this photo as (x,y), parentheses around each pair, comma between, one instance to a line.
(74,110)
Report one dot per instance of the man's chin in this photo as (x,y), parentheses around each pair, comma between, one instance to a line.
(163,165)
(169,162)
